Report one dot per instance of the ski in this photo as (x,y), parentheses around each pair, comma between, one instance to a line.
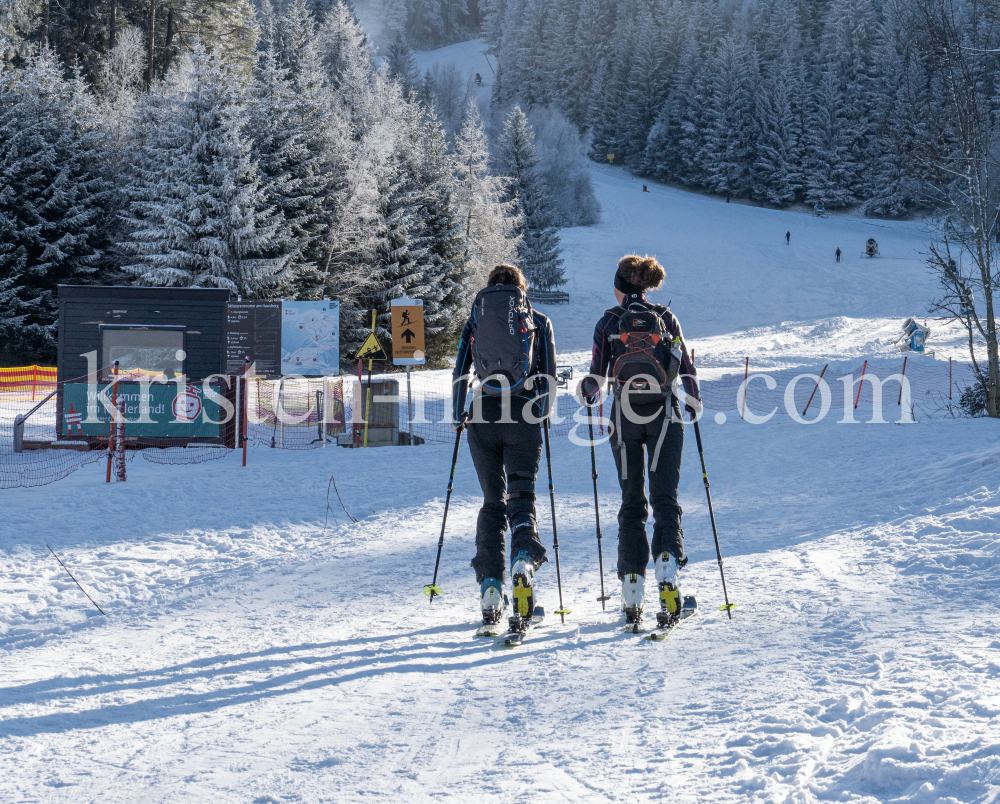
(688,609)
(519,627)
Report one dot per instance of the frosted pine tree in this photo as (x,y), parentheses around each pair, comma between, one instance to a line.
(491,222)
(849,44)
(286,125)
(51,197)
(446,300)
(829,164)
(400,238)
(729,140)
(399,59)
(777,175)
(425,23)
(583,55)
(646,87)
(341,43)
(199,215)
(539,248)
(118,125)
(676,142)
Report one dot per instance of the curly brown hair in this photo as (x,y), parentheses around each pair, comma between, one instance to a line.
(645,273)
(507,275)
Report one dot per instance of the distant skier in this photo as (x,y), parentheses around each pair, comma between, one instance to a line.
(640,345)
(838,253)
(479,80)
(503,330)
(788,238)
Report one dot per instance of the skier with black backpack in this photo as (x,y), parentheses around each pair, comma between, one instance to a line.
(640,346)
(512,350)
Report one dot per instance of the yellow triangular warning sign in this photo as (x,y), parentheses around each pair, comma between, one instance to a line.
(371,349)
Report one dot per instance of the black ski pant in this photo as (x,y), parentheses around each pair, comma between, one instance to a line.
(506,457)
(641,440)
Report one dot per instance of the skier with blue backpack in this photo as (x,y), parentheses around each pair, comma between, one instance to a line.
(511,349)
(640,346)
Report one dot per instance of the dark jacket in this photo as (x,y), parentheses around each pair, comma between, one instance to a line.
(600,361)
(544,368)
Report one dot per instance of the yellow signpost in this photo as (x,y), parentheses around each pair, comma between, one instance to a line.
(408,347)
(370,350)
(408,332)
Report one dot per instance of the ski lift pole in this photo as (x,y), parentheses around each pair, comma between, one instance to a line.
(728,608)
(433,589)
(563,611)
(597,508)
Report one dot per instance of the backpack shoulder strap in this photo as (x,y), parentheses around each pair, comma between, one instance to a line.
(616,312)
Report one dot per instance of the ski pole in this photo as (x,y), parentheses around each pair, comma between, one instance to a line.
(597,510)
(433,588)
(728,608)
(563,611)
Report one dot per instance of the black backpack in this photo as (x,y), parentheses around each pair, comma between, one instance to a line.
(643,354)
(503,339)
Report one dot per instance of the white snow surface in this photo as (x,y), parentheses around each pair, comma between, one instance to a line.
(260,647)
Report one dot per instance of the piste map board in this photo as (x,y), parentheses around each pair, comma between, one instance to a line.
(254,329)
(310,338)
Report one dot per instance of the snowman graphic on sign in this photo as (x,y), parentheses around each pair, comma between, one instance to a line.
(187,405)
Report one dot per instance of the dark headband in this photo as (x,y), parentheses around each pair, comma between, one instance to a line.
(626,287)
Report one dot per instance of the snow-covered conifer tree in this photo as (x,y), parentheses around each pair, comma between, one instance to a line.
(286,125)
(729,141)
(341,43)
(445,263)
(829,164)
(538,251)
(399,59)
(51,198)
(777,173)
(491,222)
(199,215)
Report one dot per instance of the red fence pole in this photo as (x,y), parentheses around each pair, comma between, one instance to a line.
(900,400)
(815,389)
(34,381)
(746,372)
(111,421)
(860,383)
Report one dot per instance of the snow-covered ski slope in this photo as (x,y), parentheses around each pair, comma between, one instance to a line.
(254,652)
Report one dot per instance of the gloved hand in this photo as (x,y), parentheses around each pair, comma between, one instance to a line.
(462,420)
(693,406)
(591,390)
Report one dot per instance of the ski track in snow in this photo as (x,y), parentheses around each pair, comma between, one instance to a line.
(253,653)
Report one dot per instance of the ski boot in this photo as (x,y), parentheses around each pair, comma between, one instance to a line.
(633,595)
(522,571)
(492,600)
(668,582)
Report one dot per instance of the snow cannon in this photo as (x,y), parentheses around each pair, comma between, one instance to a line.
(913,336)
(871,247)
